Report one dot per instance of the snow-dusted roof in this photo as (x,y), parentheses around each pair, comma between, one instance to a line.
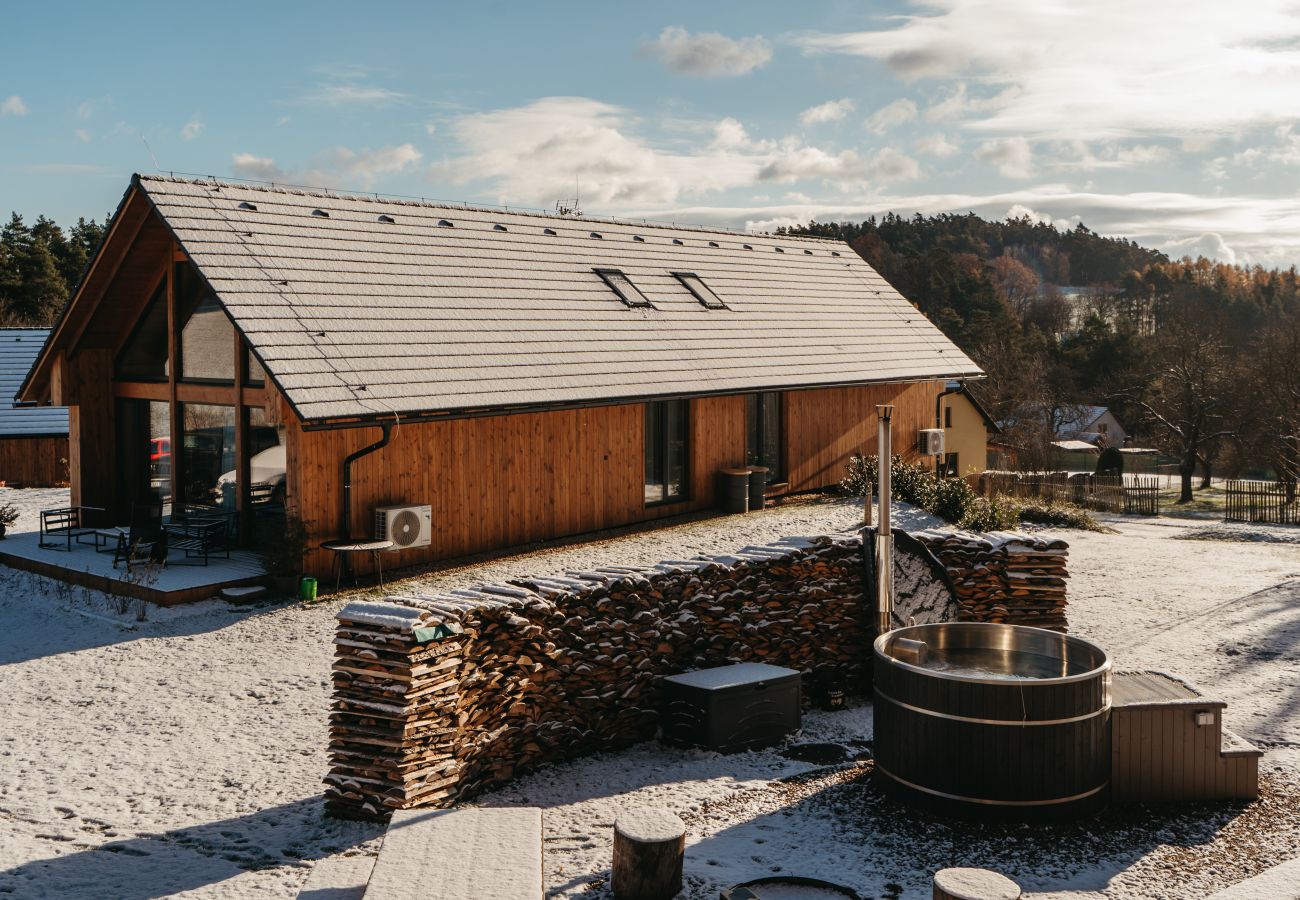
(19,348)
(360,306)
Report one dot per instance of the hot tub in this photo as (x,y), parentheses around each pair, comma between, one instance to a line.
(980,718)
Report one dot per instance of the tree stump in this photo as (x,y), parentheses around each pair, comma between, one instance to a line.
(649,843)
(973,884)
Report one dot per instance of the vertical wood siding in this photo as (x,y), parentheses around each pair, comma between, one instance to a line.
(505,481)
(34,461)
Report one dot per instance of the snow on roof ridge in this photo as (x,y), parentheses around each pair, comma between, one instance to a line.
(372,197)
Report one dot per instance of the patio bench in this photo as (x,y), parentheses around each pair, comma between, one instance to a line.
(60,527)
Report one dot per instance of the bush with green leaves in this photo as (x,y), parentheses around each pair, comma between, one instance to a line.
(954,500)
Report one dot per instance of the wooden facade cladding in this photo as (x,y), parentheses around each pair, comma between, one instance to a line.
(34,461)
(511,480)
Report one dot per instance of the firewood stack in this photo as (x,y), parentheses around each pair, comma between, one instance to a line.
(1004,576)
(439,696)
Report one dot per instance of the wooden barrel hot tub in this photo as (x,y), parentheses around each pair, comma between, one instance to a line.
(988,719)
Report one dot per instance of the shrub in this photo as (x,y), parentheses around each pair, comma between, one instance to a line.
(1062,515)
(997,513)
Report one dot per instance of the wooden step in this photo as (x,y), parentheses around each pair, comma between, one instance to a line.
(1233,744)
(460,854)
(338,878)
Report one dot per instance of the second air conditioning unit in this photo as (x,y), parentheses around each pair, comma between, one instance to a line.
(405,526)
(931,441)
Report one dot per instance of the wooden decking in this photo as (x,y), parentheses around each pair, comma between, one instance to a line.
(1161,752)
(176,583)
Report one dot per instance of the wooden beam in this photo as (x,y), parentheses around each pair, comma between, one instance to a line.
(243,469)
(106,264)
(173,361)
(142,390)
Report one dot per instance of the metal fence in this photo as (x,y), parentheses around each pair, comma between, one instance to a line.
(1261,501)
(1132,494)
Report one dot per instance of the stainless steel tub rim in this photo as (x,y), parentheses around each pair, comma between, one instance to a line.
(996,636)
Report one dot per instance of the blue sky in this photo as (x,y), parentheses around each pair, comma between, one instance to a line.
(1174,123)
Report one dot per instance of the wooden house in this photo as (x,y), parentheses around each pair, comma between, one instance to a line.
(33,440)
(533,376)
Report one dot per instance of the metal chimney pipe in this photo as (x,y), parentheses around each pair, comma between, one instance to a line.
(884,537)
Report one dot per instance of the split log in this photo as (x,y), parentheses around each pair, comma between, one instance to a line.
(649,847)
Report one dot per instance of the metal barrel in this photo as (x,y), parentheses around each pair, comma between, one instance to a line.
(734,490)
(757,486)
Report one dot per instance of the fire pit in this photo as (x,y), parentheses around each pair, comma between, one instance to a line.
(980,718)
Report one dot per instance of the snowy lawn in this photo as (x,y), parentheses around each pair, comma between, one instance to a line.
(182,756)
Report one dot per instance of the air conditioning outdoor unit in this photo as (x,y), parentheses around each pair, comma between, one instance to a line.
(931,441)
(405,526)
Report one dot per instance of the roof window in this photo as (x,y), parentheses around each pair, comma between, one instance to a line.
(499,227)
(388,220)
(748,246)
(638,238)
(598,235)
(247,205)
(628,292)
(321,213)
(703,293)
(778,249)
(679,242)
(713,243)
(551,231)
(444,223)
(835,253)
(808,252)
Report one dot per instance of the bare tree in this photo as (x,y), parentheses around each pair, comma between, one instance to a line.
(1187,395)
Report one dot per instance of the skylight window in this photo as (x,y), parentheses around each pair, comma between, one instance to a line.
(703,293)
(628,292)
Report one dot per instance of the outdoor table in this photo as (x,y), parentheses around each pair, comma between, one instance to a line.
(342,551)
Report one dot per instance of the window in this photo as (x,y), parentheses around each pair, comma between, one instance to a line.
(144,358)
(207,457)
(764,437)
(628,292)
(1102,427)
(207,347)
(702,292)
(255,375)
(947,417)
(666,446)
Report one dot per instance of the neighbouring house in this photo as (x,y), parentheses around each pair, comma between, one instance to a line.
(969,432)
(527,376)
(1096,425)
(33,439)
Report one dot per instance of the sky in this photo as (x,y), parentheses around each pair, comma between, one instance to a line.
(1175,124)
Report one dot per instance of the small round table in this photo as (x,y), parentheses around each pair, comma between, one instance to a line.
(342,552)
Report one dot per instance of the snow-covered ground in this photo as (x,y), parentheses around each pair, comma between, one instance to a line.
(182,756)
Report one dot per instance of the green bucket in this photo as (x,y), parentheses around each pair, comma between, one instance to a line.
(307,588)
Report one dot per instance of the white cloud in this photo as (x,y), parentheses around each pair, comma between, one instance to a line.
(1209,245)
(534,154)
(1085,157)
(192,129)
(430,128)
(13,105)
(340,167)
(708,53)
(830,111)
(1013,156)
(936,145)
(82,135)
(892,115)
(1108,69)
(347,87)
(263,168)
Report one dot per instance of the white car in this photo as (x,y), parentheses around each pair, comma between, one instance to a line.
(265,468)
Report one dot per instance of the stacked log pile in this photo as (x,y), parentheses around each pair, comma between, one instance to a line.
(439,696)
(1003,576)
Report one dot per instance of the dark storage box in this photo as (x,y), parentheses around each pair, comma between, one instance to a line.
(731,707)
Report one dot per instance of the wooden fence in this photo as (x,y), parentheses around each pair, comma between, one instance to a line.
(1132,494)
(1261,501)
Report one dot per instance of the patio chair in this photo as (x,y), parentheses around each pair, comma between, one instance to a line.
(144,541)
(201,532)
(60,527)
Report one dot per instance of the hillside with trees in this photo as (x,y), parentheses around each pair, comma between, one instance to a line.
(1199,357)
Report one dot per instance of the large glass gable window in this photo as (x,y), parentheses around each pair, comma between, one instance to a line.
(666,447)
(207,334)
(144,358)
(764,433)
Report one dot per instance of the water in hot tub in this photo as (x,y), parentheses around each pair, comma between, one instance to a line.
(1004,665)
